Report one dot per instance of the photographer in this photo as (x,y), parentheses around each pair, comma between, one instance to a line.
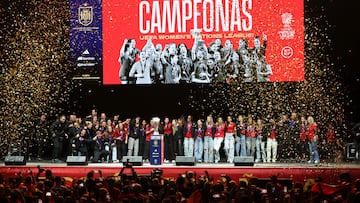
(133,172)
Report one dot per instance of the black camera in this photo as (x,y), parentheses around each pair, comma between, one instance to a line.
(40,169)
(190,174)
(156,173)
(128,164)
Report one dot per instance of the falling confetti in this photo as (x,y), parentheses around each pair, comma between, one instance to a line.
(35,75)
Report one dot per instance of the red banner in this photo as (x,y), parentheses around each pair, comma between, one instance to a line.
(278,24)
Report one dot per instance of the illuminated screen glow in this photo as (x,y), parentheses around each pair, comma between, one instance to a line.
(213,27)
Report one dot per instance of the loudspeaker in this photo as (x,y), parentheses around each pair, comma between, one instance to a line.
(134,160)
(15,160)
(76,160)
(185,161)
(244,161)
(351,151)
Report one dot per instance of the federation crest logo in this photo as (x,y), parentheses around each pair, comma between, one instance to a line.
(287,32)
(85,14)
(156,143)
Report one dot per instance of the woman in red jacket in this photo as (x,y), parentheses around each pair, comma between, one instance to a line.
(209,140)
(168,141)
(229,142)
(149,131)
(250,137)
(313,140)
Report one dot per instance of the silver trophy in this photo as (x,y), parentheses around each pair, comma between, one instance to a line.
(196,33)
(156,121)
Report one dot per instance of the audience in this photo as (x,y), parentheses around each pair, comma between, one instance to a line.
(187,187)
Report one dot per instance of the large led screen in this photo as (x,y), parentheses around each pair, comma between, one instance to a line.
(198,41)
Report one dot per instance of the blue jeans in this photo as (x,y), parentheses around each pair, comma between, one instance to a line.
(189,147)
(217,145)
(313,149)
(240,145)
(229,146)
(198,148)
(260,149)
(250,146)
(208,149)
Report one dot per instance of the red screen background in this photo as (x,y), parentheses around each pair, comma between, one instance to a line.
(121,21)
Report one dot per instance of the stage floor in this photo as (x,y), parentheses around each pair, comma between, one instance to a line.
(198,165)
(297,172)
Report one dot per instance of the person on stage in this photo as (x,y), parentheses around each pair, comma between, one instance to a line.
(180,136)
(229,142)
(189,137)
(283,138)
(142,137)
(168,141)
(199,133)
(209,140)
(134,135)
(312,133)
(119,136)
(260,141)
(100,154)
(218,138)
(294,136)
(271,144)
(72,130)
(303,137)
(90,134)
(41,135)
(107,135)
(150,129)
(58,130)
(330,142)
(79,144)
(240,143)
(250,137)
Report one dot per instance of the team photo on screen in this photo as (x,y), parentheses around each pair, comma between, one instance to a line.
(189,41)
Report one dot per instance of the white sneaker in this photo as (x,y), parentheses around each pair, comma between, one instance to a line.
(273,160)
(309,162)
(166,161)
(216,161)
(316,161)
(172,161)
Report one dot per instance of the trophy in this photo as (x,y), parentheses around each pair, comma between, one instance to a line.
(156,121)
(196,33)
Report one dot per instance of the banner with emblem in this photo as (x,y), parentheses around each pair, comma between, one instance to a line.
(86,38)
(211,25)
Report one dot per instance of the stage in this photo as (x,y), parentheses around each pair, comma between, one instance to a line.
(294,172)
